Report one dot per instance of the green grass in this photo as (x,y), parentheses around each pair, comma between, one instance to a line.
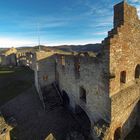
(3,72)
(14,81)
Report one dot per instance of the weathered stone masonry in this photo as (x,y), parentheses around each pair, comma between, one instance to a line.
(91,79)
(106,83)
(123,44)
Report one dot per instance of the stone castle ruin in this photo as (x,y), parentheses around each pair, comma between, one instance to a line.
(104,84)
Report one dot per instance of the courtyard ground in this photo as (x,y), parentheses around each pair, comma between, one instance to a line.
(14,81)
(19,99)
(33,123)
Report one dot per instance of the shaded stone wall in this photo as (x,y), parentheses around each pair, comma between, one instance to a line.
(92,79)
(9,60)
(3,60)
(44,68)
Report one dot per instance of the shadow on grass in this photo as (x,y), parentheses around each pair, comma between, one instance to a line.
(13,81)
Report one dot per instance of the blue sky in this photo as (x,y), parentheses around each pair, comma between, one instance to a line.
(58,21)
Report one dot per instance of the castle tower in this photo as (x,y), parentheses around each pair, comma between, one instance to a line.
(124,13)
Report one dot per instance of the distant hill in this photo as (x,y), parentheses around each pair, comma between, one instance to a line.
(80,48)
(66,48)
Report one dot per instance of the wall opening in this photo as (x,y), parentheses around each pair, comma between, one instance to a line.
(117,134)
(137,72)
(83,95)
(123,77)
(65,97)
(45,77)
(83,117)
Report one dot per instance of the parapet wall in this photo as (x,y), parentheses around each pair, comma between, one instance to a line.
(124,99)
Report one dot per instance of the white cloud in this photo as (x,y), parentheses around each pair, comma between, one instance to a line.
(138,9)
(135,1)
(73,42)
(100,33)
(13,42)
(9,42)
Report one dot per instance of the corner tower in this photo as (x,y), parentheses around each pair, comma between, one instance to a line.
(124,13)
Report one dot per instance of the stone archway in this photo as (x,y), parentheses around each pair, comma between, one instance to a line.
(84,121)
(117,134)
(83,118)
(137,72)
(66,100)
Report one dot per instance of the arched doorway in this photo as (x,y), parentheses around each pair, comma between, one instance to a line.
(137,72)
(83,118)
(117,134)
(66,100)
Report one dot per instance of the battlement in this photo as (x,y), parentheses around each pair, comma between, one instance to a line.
(124,13)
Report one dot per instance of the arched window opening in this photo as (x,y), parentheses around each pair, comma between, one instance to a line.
(123,77)
(83,117)
(66,100)
(137,72)
(83,94)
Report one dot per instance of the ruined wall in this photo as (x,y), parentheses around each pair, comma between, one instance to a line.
(124,111)
(124,49)
(10,51)
(92,79)
(123,44)
(9,60)
(3,60)
(4,129)
(44,68)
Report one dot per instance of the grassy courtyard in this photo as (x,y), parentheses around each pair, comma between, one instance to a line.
(14,81)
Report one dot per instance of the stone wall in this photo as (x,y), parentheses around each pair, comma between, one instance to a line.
(123,45)
(124,113)
(9,60)
(4,129)
(2,60)
(124,49)
(107,80)
(91,77)
(44,68)
(124,121)
(10,51)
